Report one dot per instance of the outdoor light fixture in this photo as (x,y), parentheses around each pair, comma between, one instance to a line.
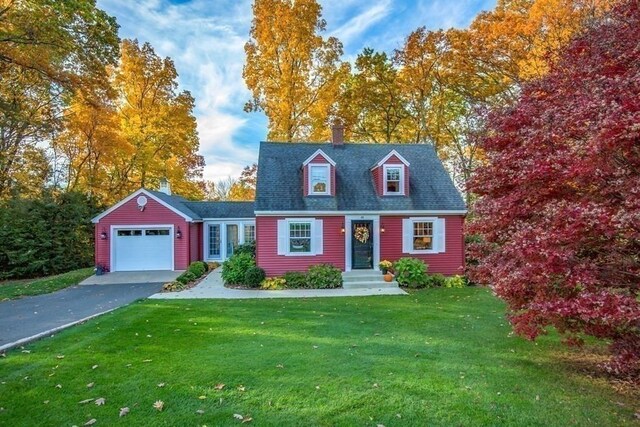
(382,228)
(178,234)
(103,235)
(342,228)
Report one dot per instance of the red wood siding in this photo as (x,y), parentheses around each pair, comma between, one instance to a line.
(275,265)
(154,213)
(378,175)
(305,175)
(195,241)
(448,263)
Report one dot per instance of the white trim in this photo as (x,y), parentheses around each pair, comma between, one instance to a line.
(314,155)
(112,240)
(384,180)
(347,239)
(388,156)
(312,224)
(435,242)
(97,218)
(223,222)
(327,191)
(341,213)
(228,219)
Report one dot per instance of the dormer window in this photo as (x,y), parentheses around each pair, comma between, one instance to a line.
(393,180)
(319,179)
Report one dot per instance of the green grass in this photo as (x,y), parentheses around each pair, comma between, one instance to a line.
(44,285)
(437,357)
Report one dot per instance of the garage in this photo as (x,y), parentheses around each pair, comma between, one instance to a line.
(137,249)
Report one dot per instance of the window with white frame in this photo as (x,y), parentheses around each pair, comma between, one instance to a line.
(300,237)
(422,235)
(393,180)
(249,233)
(214,241)
(319,179)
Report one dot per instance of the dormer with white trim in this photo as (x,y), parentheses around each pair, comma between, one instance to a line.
(319,175)
(391,175)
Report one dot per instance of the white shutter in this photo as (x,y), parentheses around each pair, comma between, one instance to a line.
(318,244)
(407,236)
(283,237)
(439,235)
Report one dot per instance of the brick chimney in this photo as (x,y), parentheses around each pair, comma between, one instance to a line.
(165,187)
(337,134)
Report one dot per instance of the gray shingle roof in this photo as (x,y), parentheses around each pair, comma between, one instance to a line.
(207,209)
(280,179)
(223,209)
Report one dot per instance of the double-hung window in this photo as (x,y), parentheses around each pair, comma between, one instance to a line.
(249,233)
(393,180)
(422,235)
(319,179)
(300,237)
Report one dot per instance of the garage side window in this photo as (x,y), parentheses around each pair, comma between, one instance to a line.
(156,232)
(129,233)
(249,233)
(214,241)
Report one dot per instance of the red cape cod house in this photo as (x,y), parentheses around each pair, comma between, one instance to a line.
(350,205)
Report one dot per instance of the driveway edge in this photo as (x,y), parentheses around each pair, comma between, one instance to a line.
(52,330)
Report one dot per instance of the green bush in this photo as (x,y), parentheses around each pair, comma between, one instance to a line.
(411,272)
(436,280)
(324,276)
(197,269)
(295,279)
(253,277)
(233,269)
(273,283)
(186,277)
(455,282)
(246,248)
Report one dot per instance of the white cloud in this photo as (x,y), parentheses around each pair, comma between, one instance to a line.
(360,23)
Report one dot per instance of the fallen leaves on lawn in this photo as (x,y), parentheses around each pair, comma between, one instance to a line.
(58,385)
(45,402)
(375,385)
(161,384)
(315,347)
(123,411)
(90,385)
(25,351)
(159,405)
(91,422)
(100,401)
(60,356)
(147,361)
(242,418)
(241,388)
(199,411)
(280,365)
(202,397)
(219,386)
(82,402)
(94,366)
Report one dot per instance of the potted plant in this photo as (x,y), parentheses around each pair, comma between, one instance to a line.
(385,266)
(101,269)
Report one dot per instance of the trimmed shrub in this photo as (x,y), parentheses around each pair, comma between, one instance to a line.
(436,280)
(253,277)
(197,269)
(186,277)
(233,269)
(324,276)
(246,248)
(273,283)
(411,272)
(455,282)
(295,279)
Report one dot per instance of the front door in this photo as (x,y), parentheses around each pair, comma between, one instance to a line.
(362,244)
(232,238)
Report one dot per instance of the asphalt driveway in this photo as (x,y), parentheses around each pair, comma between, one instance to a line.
(31,316)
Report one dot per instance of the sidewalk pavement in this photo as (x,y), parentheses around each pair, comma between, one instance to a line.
(213,287)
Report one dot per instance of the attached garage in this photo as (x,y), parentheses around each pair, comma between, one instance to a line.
(139,249)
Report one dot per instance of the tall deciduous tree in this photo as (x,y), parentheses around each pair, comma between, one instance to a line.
(559,208)
(48,49)
(294,74)
(156,124)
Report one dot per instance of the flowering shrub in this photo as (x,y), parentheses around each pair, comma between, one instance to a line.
(455,282)
(273,283)
(411,272)
(385,265)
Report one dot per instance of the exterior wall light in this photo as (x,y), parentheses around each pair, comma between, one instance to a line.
(382,228)
(178,234)
(342,230)
(103,235)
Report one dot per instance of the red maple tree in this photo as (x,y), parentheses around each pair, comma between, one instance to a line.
(559,200)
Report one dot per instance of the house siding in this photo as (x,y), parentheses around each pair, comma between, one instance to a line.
(154,213)
(448,263)
(195,242)
(275,265)
(378,176)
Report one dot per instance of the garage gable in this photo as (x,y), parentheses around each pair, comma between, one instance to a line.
(140,200)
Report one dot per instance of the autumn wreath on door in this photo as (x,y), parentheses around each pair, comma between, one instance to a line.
(361,234)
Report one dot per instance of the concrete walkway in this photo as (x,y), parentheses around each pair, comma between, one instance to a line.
(213,287)
(29,318)
(124,277)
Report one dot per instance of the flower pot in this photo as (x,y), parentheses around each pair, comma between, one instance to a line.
(388,277)
(384,270)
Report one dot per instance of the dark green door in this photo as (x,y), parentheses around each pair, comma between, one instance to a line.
(361,244)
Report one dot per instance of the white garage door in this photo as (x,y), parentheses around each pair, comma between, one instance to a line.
(138,249)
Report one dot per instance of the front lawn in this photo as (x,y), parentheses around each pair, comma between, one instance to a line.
(44,285)
(437,357)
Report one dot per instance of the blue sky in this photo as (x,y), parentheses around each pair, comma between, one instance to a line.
(205,38)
